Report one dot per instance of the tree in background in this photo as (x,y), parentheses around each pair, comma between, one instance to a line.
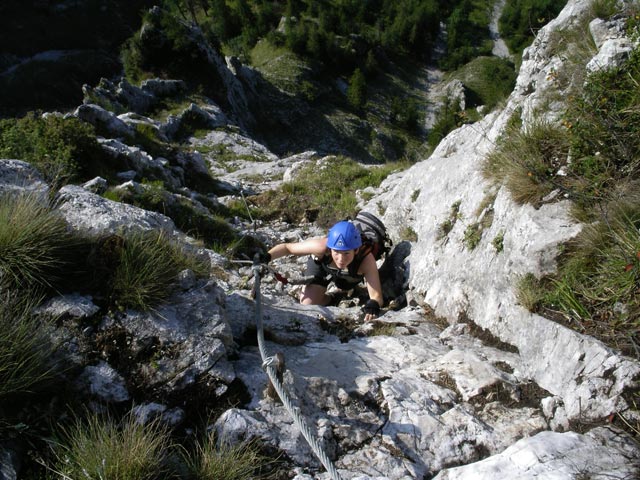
(467,34)
(409,26)
(521,20)
(222,22)
(357,91)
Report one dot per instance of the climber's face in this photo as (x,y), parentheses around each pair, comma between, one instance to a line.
(342,258)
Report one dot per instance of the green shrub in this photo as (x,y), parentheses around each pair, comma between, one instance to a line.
(487,80)
(606,266)
(448,118)
(35,243)
(146,137)
(357,91)
(62,149)
(25,351)
(604,8)
(405,112)
(472,235)
(498,241)
(101,448)
(446,226)
(599,132)
(170,48)
(213,461)
(147,269)
(596,287)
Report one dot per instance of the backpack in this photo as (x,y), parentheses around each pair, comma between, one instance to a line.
(374,234)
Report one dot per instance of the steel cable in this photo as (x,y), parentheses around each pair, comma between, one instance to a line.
(267,364)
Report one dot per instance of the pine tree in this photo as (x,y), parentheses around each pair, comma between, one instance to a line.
(357,91)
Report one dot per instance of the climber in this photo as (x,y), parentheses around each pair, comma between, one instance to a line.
(339,257)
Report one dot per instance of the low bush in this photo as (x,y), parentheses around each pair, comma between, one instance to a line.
(62,149)
(472,235)
(498,241)
(171,48)
(488,81)
(592,159)
(604,125)
(596,287)
(449,117)
(209,227)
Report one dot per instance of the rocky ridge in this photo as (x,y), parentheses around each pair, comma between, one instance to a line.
(462,383)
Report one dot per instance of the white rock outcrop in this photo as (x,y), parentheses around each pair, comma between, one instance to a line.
(480,282)
(553,455)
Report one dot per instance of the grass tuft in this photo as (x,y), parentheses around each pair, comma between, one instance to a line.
(147,269)
(454,214)
(529,161)
(222,461)
(25,351)
(101,448)
(34,240)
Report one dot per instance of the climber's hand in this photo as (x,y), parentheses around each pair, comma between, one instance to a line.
(371,310)
(262,257)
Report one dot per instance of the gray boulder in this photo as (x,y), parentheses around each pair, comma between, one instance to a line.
(103,119)
(19,176)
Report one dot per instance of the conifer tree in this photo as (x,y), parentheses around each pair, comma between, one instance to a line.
(357,91)
(221,19)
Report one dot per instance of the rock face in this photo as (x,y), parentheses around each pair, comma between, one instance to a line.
(95,215)
(523,459)
(479,283)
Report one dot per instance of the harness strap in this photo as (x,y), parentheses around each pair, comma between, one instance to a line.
(352,269)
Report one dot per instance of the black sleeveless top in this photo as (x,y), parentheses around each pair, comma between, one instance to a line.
(343,279)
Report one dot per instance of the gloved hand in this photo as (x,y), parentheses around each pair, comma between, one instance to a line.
(371,308)
(262,256)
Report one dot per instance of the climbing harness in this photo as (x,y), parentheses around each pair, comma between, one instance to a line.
(268,366)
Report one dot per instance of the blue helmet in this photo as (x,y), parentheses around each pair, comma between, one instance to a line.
(344,236)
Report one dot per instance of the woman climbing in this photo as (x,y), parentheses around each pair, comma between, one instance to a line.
(339,257)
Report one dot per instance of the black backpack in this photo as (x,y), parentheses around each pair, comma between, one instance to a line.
(374,234)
